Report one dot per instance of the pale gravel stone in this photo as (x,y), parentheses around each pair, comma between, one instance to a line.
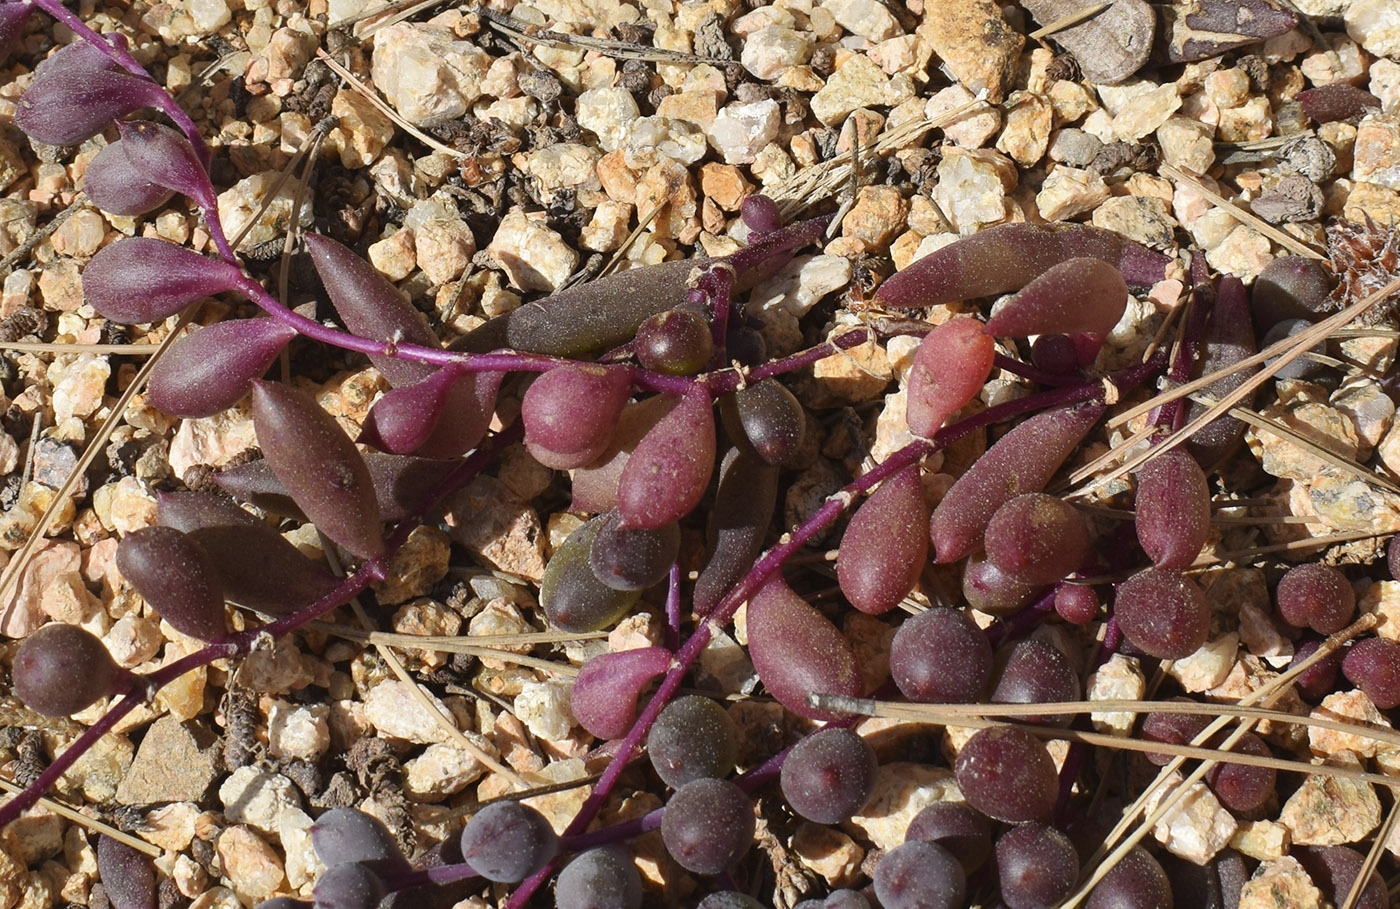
(171,826)
(499,617)
(974,42)
(1119,679)
(608,113)
(533,256)
(393,709)
(302,866)
(607,228)
(1382,599)
(867,18)
(1260,635)
(1142,114)
(653,140)
(564,165)
(802,283)
(1346,706)
(276,669)
(726,664)
(1280,884)
(239,203)
(828,852)
(394,256)
(1027,131)
(901,791)
(858,84)
(1209,666)
(972,188)
(1069,192)
(424,74)
(1145,219)
(212,440)
(1250,122)
(544,707)
(1320,424)
(1376,25)
(1073,147)
(444,769)
(1187,144)
(251,866)
(740,131)
(972,128)
(1198,827)
(1376,154)
(1385,84)
(1261,840)
(297,730)
(769,51)
(1326,811)
(1372,412)
(1348,64)
(257,798)
(418,565)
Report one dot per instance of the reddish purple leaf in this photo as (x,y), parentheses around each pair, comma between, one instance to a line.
(141,279)
(880,559)
(950,368)
(470,403)
(570,413)
(372,307)
(127,875)
(604,699)
(1336,101)
(116,186)
(164,156)
(798,651)
(1173,509)
(1078,295)
(1021,461)
(666,475)
(403,419)
(212,368)
(319,467)
(77,92)
(177,578)
(13,17)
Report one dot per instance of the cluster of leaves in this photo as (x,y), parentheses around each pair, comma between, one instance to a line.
(633,390)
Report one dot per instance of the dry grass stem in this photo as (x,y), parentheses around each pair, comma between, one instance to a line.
(1244,216)
(373,98)
(92,823)
(1069,21)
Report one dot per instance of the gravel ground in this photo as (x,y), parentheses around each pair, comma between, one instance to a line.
(480,157)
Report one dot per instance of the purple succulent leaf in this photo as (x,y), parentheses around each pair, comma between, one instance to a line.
(211,369)
(77,92)
(1336,101)
(402,485)
(115,186)
(319,467)
(470,404)
(141,279)
(604,698)
(1078,295)
(127,875)
(372,307)
(13,17)
(404,418)
(163,156)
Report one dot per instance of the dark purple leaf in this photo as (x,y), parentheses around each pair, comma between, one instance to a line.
(467,411)
(604,698)
(211,369)
(177,578)
(13,17)
(77,92)
(1078,295)
(115,186)
(401,484)
(372,307)
(797,651)
(284,581)
(670,468)
(141,279)
(319,466)
(404,418)
(163,155)
(1336,101)
(127,875)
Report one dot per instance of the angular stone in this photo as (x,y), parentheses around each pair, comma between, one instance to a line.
(427,76)
(974,41)
(176,762)
(857,84)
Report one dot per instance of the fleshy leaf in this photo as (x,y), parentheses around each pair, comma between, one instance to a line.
(667,474)
(285,580)
(466,415)
(570,413)
(141,279)
(127,875)
(177,578)
(1006,257)
(797,651)
(13,17)
(211,369)
(951,365)
(372,307)
(401,484)
(1078,295)
(1021,461)
(880,560)
(115,186)
(604,699)
(163,155)
(319,467)
(77,92)
(404,418)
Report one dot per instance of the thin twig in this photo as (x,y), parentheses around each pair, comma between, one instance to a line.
(92,823)
(1069,21)
(1244,216)
(373,98)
